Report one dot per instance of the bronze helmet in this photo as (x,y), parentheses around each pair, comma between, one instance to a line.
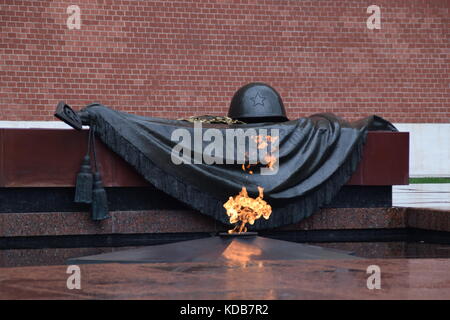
(257,102)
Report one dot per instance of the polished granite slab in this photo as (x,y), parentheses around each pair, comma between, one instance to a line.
(234,279)
(247,246)
(169,221)
(370,250)
(423,206)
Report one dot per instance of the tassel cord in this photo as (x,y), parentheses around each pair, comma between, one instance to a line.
(84,180)
(99,201)
(94,149)
(89,142)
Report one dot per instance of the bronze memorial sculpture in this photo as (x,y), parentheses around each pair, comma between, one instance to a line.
(315,155)
(306,162)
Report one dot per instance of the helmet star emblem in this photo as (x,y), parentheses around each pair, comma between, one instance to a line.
(258,99)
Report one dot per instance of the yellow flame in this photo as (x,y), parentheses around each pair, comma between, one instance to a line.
(271,160)
(243,209)
(262,143)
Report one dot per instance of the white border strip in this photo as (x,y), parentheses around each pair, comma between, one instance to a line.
(429,151)
(35,125)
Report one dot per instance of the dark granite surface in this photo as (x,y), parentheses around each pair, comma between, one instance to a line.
(166,221)
(161,221)
(371,250)
(430,219)
(235,279)
(52,199)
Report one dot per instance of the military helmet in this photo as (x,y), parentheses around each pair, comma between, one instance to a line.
(257,102)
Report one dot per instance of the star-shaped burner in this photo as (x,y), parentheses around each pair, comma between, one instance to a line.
(235,248)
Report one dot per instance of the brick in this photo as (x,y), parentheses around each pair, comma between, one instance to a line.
(179,58)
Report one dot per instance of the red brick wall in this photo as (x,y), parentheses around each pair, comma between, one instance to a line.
(178,58)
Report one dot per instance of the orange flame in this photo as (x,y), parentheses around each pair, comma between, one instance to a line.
(271,160)
(243,209)
(262,143)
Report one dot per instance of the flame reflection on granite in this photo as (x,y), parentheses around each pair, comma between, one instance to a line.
(371,250)
(293,279)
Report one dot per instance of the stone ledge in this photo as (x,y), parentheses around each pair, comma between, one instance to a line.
(167,221)
(429,219)
(175,221)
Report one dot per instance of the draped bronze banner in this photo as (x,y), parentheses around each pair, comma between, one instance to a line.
(316,157)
